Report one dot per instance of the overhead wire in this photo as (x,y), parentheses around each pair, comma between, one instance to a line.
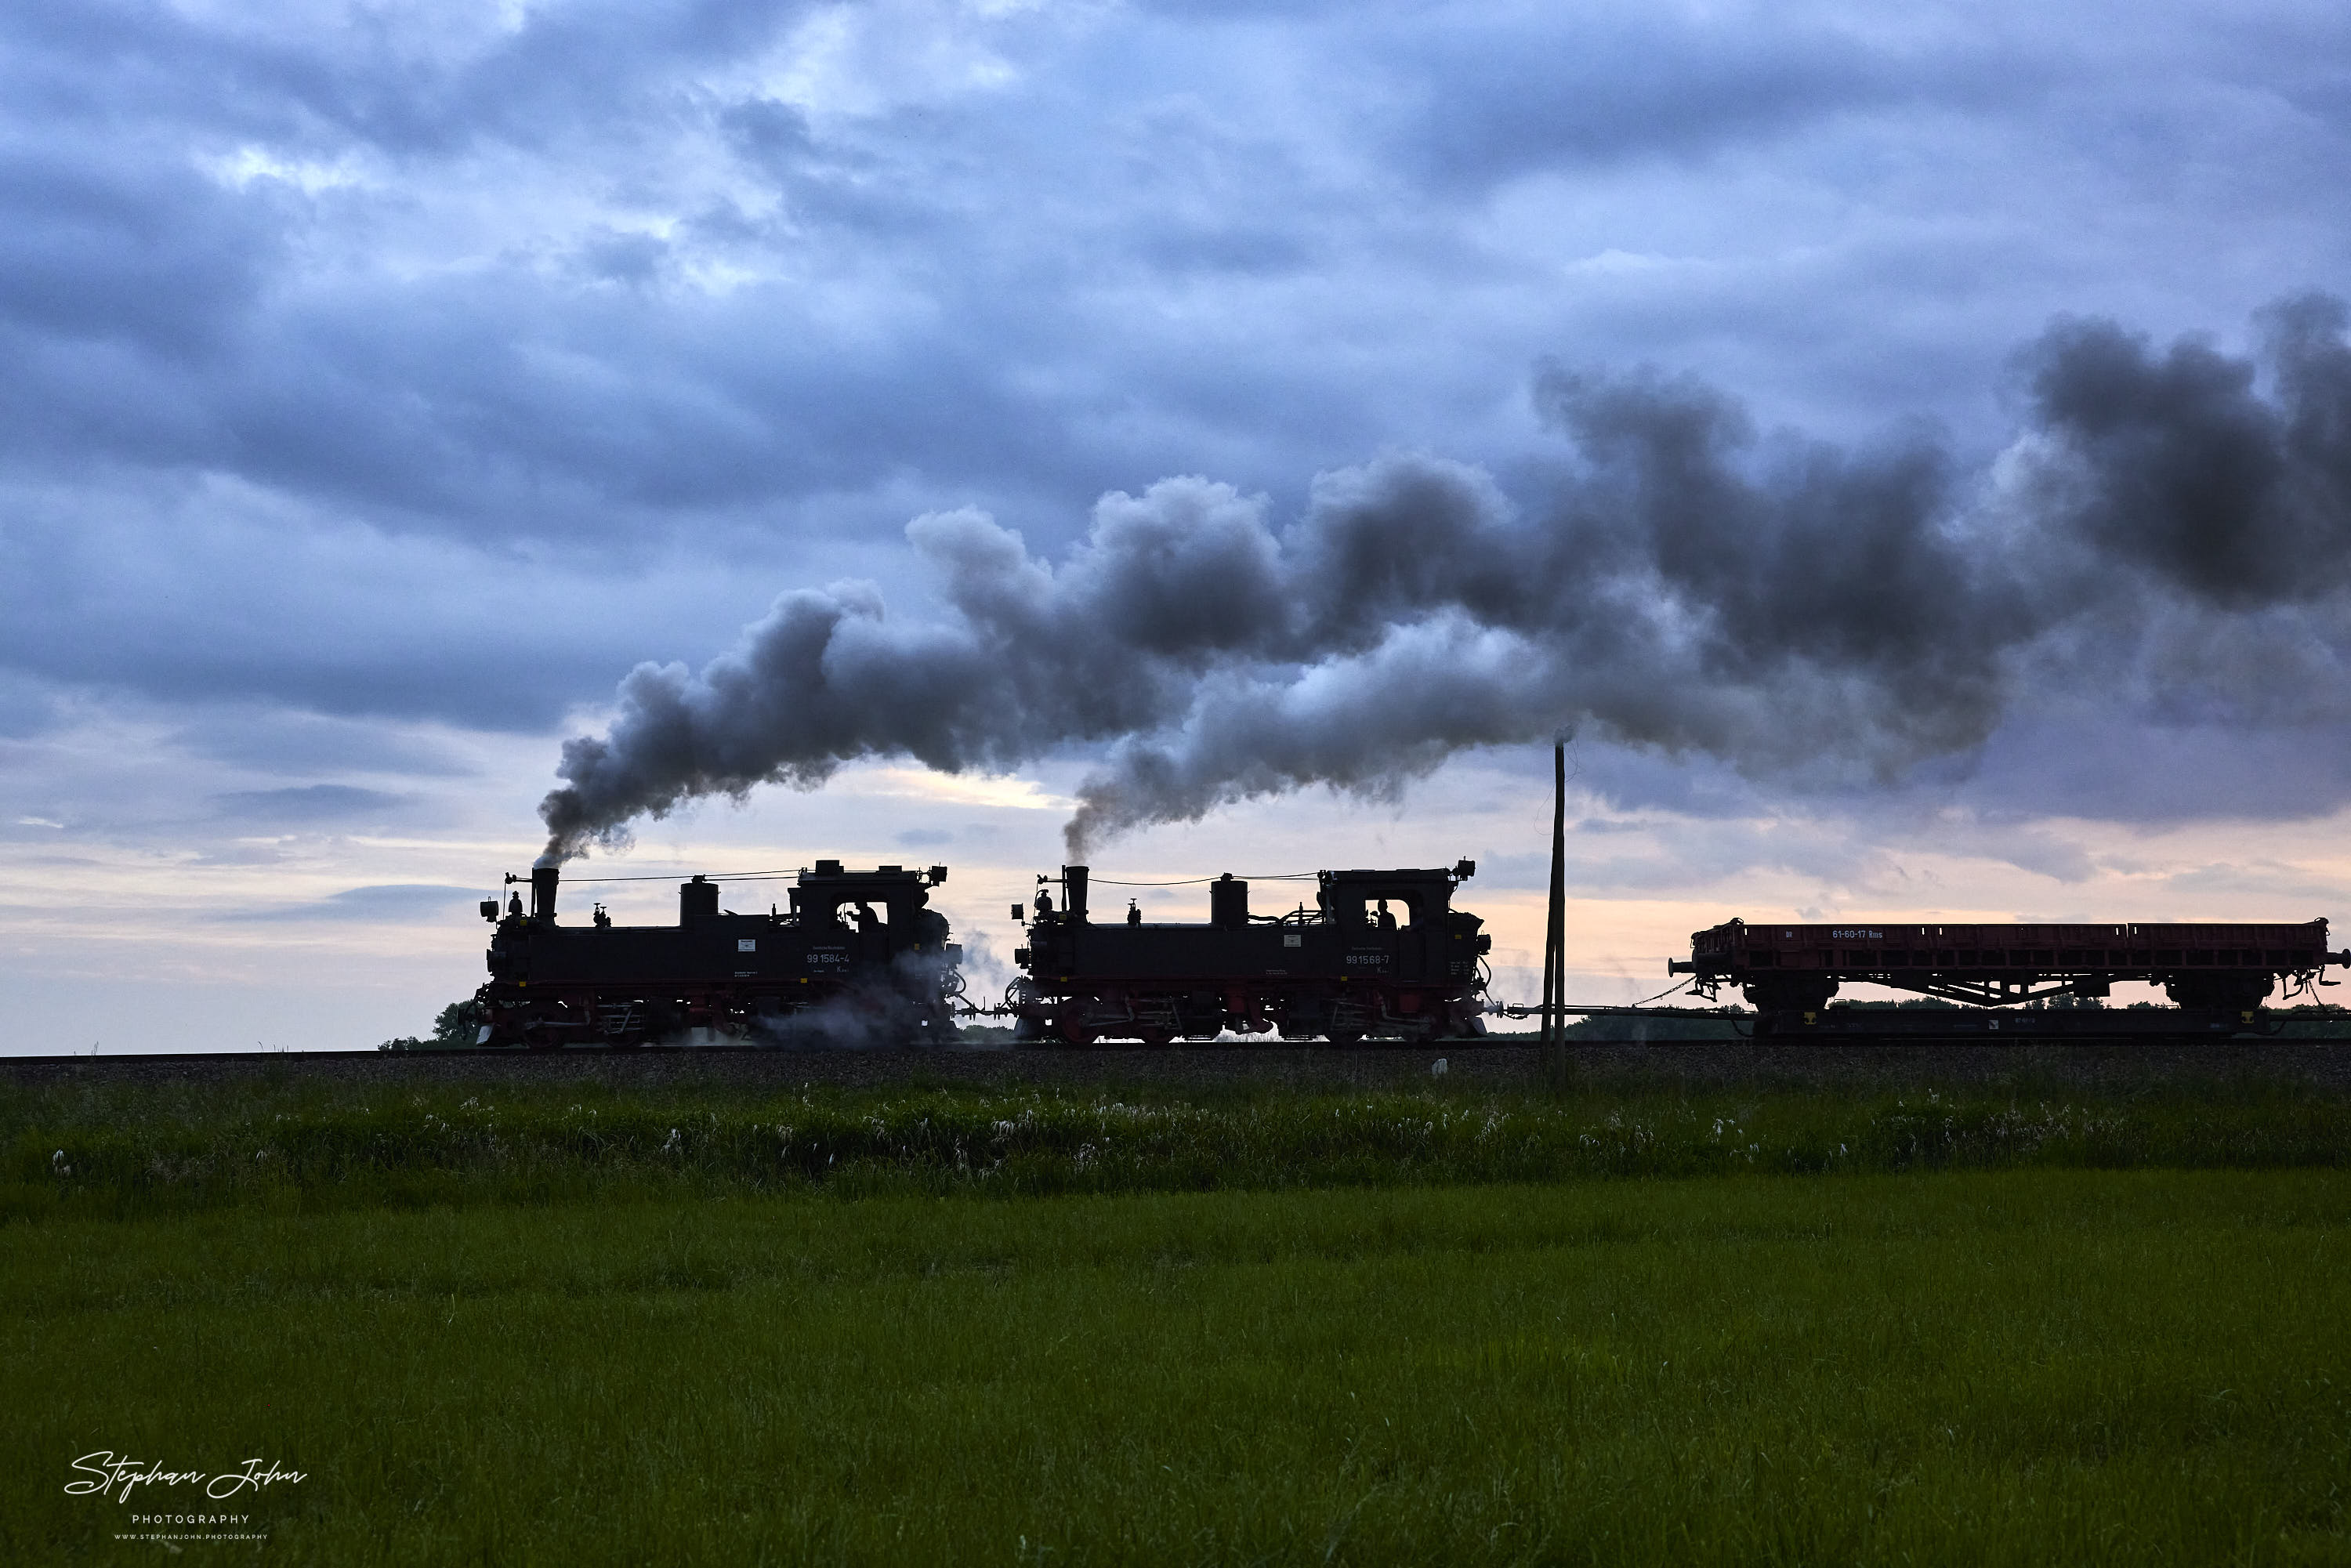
(707,876)
(802,871)
(1193,880)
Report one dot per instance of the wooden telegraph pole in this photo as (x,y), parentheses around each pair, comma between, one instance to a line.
(1554,1002)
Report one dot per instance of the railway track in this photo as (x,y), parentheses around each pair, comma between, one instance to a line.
(1503,1063)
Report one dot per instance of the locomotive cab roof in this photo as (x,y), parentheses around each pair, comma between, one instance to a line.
(1426,892)
(821,893)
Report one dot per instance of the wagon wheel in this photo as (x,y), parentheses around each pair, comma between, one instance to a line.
(1074,1031)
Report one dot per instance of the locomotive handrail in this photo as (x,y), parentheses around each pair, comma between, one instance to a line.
(1615,1009)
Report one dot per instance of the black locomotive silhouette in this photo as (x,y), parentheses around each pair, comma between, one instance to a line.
(1381,954)
(857,956)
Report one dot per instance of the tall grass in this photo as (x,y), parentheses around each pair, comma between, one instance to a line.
(128,1151)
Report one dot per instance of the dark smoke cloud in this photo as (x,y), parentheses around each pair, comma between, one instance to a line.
(1793,609)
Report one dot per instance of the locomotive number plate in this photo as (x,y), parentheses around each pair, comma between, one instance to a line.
(1366,960)
(827,956)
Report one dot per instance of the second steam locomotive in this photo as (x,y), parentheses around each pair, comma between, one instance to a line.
(1381,954)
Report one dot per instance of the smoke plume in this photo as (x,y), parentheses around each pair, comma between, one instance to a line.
(1790,607)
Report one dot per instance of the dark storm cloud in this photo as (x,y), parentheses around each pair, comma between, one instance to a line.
(210,598)
(572,378)
(422,82)
(1796,612)
(386,902)
(157,256)
(27,707)
(1502,98)
(273,742)
(307,805)
(571,284)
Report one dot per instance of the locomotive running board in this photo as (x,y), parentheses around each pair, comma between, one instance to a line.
(1991,1025)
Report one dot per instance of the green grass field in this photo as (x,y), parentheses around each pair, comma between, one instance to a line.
(1989,1331)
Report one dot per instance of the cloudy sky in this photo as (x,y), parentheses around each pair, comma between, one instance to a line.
(1911,443)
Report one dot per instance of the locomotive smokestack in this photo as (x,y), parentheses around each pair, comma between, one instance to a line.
(1073,888)
(543,879)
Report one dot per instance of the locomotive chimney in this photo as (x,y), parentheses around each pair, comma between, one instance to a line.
(543,879)
(1073,891)
(696,900)
(1227,901)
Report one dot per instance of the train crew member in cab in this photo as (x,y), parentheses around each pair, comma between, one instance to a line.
(1386,921)
(868,923)
(1133,915)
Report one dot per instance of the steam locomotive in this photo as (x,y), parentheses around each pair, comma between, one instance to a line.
(2216,975)
(859,957)
(1381,953)
(856,957)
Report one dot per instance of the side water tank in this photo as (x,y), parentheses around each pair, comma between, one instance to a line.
(1227,901)
(696,900)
